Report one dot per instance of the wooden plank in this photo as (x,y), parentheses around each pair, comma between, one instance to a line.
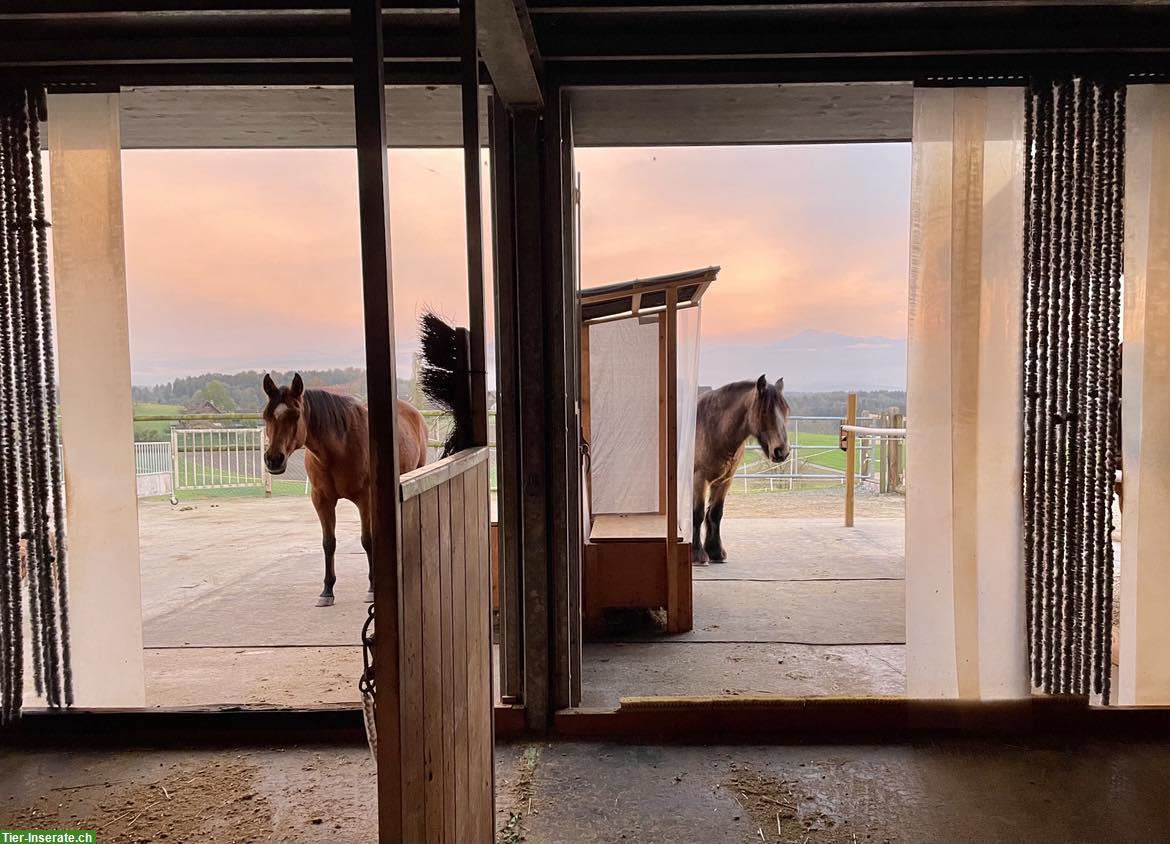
(412,690)
(619,527)
(460,653)
(486,698)
(507,402)
(432,664)
(674,597)
(433,474)
(369,93)
(477,737)
(447,612)
(510,52)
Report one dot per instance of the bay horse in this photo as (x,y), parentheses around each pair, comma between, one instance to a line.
(334,431)
(726,419)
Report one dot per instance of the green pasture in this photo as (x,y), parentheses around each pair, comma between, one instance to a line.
(154,431)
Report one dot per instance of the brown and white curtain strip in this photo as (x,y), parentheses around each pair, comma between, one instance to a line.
(1074,237)
(33,576)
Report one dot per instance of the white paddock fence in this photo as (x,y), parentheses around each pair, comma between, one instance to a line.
(209,460)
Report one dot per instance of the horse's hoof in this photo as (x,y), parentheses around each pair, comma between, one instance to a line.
(325,601)
(370,597)
(698,557)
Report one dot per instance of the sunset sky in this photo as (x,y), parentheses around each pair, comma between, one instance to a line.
(249,259)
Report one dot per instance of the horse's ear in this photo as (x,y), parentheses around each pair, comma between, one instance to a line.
(780,386)
(269,386)
(297,388)
(762,384)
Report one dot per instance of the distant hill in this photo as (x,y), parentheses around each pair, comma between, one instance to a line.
(244,391)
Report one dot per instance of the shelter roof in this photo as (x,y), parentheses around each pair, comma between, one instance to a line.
(645,295)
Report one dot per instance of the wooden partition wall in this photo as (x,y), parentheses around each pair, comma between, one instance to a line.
(445,642)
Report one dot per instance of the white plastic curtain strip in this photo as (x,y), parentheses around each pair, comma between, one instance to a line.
(687,398)
(965,618)
(624,416)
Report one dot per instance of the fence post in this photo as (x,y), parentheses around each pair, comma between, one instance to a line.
(263,438)
(850,456)
(174,464)
(897,454)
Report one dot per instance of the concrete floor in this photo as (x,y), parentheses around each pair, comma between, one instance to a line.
(804,607)
(975,791)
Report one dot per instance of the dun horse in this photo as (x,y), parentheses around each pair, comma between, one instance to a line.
(334,431)
(727,418)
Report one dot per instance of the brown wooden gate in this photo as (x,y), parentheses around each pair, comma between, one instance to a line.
(445,695)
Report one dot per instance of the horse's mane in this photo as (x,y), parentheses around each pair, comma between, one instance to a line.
(773,397)
(329,413)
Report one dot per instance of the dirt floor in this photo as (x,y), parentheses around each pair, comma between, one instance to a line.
(974,791)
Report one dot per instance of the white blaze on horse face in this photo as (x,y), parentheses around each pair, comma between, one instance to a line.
(279,410)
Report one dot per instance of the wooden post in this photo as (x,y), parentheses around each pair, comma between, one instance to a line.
(850,456)
(530,352)
(503,187)
(469,73)
(175,464)
(378,301)
(675,622)
(663,450)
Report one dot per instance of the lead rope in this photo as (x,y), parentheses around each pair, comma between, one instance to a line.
(33,532)
(1075,141)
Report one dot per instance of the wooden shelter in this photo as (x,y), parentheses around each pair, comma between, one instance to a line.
(638,423)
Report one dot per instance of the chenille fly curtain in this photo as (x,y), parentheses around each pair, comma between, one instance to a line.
(1073,250)
(33,577)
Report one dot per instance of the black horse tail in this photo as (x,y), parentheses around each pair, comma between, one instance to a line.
(444,377)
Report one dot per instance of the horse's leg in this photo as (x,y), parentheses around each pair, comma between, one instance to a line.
(326,508)
(367,543)
(698,508)
(714,542)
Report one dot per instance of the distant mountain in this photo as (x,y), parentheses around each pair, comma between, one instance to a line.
(811,362)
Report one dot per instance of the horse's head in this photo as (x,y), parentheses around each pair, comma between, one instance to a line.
(284,422)
(770,419)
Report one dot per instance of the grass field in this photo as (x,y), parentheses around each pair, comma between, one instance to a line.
(154,431)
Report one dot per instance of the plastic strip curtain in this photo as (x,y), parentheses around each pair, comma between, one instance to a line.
(30,470)
(687,398)
(965,615)
(1073,263)
(1143,634)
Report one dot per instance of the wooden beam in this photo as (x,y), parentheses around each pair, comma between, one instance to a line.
(378,301)
(510,53)
(503,187)
(556,391)
(469,71)
(533,428)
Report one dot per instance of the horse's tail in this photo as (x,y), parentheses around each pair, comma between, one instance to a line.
(444,378)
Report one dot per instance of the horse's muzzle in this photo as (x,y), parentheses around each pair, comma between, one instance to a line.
(779,455)
(276,465)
